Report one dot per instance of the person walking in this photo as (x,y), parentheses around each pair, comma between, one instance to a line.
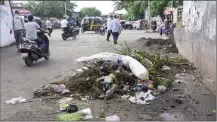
(109,27)
(49,27)
(116,28)
(18,29)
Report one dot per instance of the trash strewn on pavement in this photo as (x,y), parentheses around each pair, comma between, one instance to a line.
(112,118)
(16,100)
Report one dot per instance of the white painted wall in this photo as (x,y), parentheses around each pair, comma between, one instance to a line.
(6,20)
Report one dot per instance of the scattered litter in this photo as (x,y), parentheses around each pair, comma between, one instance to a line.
(112,118)
(161,88)
(165,68)
(137,68)
(60,88)
(87,113)
(142,97)
(178,81)
(41,91)
(80,70)
(124,97)
(209,114)
(84,68)
(16,100)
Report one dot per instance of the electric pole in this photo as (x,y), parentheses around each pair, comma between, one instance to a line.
(65,8)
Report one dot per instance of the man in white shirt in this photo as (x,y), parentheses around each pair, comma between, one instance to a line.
(64,23)
(49,27)
(18,28)
(109,27)
(116,28)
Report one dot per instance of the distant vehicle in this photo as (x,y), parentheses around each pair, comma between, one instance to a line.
(136,25)
(55,22)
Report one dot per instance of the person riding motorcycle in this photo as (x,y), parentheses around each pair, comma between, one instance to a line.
(71,25)
(32,28)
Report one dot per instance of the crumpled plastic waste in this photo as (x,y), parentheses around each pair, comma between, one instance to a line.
(16,100)
(64,103)
(112,118)
(136,68)
(80,70)
(87,113)
(124,97)
(142,97)
(165,68)
(60,88)
(161,88)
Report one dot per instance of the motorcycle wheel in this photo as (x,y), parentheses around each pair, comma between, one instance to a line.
(101,32)
(28,61)
(64,37)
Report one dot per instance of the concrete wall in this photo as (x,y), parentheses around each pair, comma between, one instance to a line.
(197,39)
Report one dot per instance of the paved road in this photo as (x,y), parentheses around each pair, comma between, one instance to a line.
(19,80)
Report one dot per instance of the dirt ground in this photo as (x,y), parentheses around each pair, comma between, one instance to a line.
(198,102)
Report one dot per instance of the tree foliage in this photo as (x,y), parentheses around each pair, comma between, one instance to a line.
(50,8)
(157,7)
(90,11)
(135,8)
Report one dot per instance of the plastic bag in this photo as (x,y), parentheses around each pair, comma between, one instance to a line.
(112,118)
(142,97)
(16,100)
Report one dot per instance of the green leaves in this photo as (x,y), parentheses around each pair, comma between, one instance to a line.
(90,11)
(50,8)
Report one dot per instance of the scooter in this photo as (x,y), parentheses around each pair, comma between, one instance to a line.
(66,33)
(102,30)
(31,51)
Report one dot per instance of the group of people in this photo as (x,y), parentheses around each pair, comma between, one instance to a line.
(114,28)
(162,25)
(29,27)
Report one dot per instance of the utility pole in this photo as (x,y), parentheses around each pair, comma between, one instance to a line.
(65,8)
(149,1)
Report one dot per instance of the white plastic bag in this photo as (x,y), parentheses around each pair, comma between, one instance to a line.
(16,100)
(137,98)
(112,118)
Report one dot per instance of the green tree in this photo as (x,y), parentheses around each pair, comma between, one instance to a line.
(90,11)
(135,8)
(157,7)
(50,8)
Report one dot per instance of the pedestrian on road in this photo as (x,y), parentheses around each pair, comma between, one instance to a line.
(64,24)
(49,27)
(18,28)
(116,28)
(109,27)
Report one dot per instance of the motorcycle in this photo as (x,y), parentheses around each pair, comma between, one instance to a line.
(102,30)
(66,33)
(31,51)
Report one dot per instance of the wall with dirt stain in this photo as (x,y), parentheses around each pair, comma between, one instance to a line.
(197,39)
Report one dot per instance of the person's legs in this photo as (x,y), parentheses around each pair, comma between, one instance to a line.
(16,38)
(108,35)
(49,32)
(115,35)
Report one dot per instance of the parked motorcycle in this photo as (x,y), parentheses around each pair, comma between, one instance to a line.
(102,30)
(66,33)
(31,51)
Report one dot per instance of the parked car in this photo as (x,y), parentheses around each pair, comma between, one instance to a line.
(136,25)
